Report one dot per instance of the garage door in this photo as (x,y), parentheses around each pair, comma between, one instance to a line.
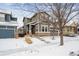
(4,33)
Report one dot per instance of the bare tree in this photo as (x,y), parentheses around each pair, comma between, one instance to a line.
(64,13)
(59,12)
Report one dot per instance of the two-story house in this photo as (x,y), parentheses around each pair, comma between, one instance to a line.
(8,25)
(39,25)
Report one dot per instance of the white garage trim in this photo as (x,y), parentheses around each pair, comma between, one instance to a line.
(9,23)
(6,27)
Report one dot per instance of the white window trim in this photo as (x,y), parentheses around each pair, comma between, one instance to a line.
(8,28)
(44,27)
(38,28)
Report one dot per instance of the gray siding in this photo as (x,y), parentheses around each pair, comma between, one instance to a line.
(2,17)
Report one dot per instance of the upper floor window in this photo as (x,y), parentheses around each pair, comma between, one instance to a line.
(7,17)
(44,28)
(13,19)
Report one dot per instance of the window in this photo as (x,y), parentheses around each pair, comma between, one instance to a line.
(44,28)
(2,27)
(13,19)
(68,30)
(7,17)
(10,27)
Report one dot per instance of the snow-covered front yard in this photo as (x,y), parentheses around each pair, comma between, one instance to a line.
(44,46)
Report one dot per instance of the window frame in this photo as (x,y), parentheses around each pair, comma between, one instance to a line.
(45,26)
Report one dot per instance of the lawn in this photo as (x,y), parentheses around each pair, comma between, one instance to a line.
(44,46)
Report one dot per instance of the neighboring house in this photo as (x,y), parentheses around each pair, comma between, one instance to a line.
(38,25)
(8,25)
(70,29)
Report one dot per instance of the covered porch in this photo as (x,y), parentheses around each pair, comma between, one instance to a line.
(31,28)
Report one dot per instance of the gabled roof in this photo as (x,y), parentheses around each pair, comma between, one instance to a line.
(26,18)
(34,16)
(71,24)
(38,13)
(2,11)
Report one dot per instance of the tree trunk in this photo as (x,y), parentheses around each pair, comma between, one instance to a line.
(61,37)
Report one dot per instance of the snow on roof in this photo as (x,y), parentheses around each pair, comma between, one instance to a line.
(5,11)
(72,23)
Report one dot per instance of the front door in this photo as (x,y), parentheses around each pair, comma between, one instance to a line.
(33,29)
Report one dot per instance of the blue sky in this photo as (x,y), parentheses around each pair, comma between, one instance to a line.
(18,12)
(15,11)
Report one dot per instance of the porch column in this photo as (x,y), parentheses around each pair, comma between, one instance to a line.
(29,28)
(38,27)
